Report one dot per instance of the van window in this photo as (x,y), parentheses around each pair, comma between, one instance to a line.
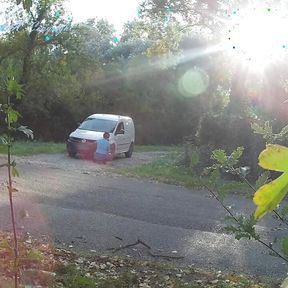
(120,128)
(99,125)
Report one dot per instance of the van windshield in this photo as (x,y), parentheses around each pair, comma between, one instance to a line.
(98,125)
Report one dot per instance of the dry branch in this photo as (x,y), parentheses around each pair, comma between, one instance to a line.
(168,257)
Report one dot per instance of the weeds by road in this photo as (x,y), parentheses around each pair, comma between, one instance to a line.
(163,170)
(32,148)
(27,148)
(43,265)
(124,272)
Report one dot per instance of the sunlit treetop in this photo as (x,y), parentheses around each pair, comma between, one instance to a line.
(193,15)
(45,17)
(253,33)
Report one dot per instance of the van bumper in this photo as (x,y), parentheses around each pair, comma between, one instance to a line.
(82,147)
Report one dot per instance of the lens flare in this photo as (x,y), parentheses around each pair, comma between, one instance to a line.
(193,82)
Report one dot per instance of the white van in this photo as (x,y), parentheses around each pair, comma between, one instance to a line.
(121,129)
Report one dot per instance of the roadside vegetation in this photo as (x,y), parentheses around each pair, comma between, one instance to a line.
(26,148)
(174,168)
(31,148)
(166,169)
(43,265)
(126,272)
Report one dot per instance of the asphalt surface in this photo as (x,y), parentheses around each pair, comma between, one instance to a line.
(82,205)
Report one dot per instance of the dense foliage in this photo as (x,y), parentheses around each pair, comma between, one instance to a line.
(163,70)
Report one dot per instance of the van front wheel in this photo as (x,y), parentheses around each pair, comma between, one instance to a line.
(72,154)
(128,154)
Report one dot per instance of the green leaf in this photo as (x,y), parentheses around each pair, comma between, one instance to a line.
(268,127)
(257,128)
(243,228)
(15,172)
(284,130)
(13,115)
(266,131)
(270,195)
(219,155)
(274,157)
(4,139)
(285,246)
(236,154)
(213,179)
(262,179)
(28,132)
(208,170)
(13,88)
(215,175)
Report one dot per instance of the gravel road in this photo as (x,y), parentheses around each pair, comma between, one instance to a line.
(62,161)
(84,205)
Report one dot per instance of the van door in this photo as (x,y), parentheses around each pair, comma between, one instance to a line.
(122,138)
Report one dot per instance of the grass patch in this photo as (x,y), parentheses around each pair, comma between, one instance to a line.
(165,170)
(31,148)
(170,169)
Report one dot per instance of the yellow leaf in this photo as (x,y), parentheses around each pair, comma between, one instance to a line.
(270,195)
(274,157)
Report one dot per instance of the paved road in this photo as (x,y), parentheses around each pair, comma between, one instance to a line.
(82,204)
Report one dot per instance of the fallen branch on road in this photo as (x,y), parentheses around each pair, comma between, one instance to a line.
(168,257)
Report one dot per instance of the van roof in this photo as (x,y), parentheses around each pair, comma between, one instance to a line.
(109,116)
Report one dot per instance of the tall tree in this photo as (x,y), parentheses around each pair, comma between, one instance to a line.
(33,25)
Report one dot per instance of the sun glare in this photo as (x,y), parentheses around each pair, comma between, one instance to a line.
(257,35)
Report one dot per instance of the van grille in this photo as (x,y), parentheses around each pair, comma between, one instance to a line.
(80,140)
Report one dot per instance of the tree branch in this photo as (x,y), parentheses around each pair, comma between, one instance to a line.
(169,257)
